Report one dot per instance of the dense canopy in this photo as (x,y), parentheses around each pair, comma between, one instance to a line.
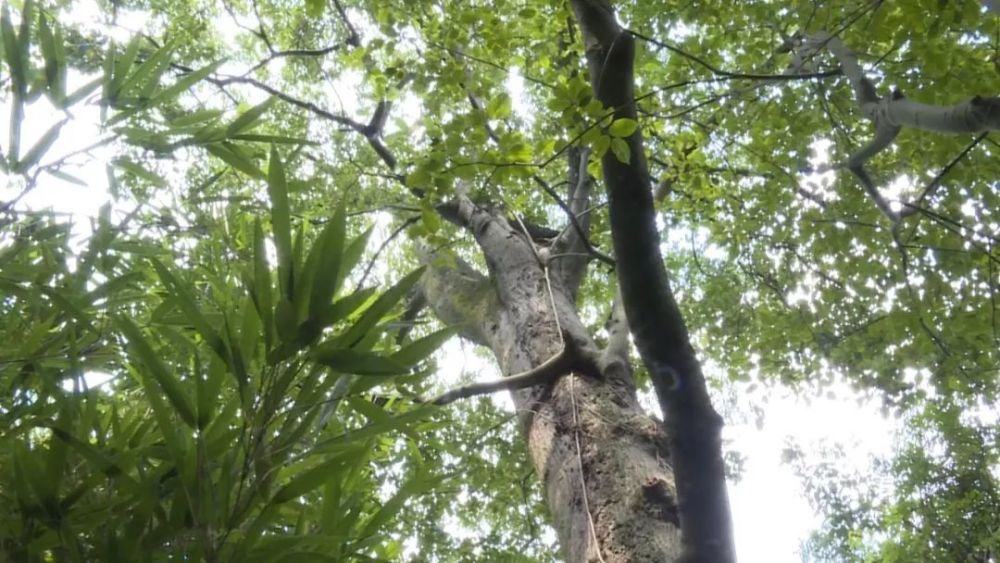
(234,358)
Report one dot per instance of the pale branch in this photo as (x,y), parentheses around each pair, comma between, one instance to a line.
(459,294)
(891,113)
(617,347)
(575,238)
(578,198)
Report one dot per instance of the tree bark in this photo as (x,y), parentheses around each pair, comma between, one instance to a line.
(603,462)
(654,318)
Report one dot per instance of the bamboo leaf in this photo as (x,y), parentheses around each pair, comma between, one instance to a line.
(36,152)
(310,479)
(225,152)
(281,224)
(168,384)
(185,83)
(81,92)
(379,309)
(140,83)
(421,349)
(346,360)
(330,245)
(12,51)
(272,139)
(189,305)
(122,65)
(352,255)
(55,60)
(261,290)
(248,119)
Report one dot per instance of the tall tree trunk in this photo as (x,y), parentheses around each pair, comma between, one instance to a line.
(603,462)
(654,318)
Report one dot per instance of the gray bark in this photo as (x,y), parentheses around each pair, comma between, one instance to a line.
(602,461)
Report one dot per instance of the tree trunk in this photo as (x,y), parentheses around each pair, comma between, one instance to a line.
(603,461)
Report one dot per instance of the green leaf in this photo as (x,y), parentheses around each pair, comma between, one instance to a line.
(43,145)
(623,127)
(186,300)
(15,53)
(379,309)
(104,464)
(185,83)
(600,145)
(621,149)
(421,349)
(499,107)
(141,82)
(417,485)
(235,158)
(66,177)
(331,248)
(249,118)
(29,464)
(168,384)
(122,65)
(310,479)
(352,255)
(272,139)
(345,306)
(315,8)
(81,93)
(140,171)
(346,360)
(431,220)
(281,222)
(261,290)
(195,117)
(55,59)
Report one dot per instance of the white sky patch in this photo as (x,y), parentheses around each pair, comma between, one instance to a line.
(899,190)
(519,100)
(771,517)
(820,181)
(91,380)
(82,130)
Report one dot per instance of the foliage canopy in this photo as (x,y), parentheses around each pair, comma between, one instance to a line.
(266,383)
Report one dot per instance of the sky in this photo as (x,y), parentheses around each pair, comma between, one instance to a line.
(771,515)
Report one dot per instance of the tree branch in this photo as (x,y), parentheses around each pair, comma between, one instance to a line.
(547,372)
(891,113)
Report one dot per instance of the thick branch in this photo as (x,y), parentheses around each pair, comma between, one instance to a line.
(893,112)
(574,240)
(458,294)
